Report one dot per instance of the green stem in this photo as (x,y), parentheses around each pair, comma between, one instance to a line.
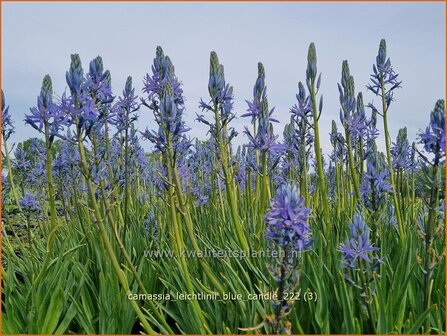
(190,228)
(317,147)
(390,162)
(177,234)
(229,185)
(48,164)
(265,182)
(130,264)
(352,165)
(367,298)
(10,176)
(105,239)
(429,235)
(126,174)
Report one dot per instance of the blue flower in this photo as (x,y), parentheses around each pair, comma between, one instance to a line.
(21,162)
(383,72)
(7,123)
(304,107)
(433,138)
(352,114)
(167,104)
(401,151)
(97,82)
(46,112)
(125,107)
(358,246)
(162,72)
(221,94)
(287,220)
(66,161)
(75,75)
(264,139)
(88,105)
(28,203)
(375,185)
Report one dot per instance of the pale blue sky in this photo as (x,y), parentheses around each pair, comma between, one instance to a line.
(39,38)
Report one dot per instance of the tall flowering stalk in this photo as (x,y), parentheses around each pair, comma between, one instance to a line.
(84,114)
(221,105)
(7,130)
(302,137)
(433,139)
(348,106)
(360,132)
(22,166)
(125,116)
(263,141)
(30,207)
(375,181)
(313,85)
(400,152)
(383,83)
(167,103)
(46,118)
(288,233)
(359,261)
(337,156)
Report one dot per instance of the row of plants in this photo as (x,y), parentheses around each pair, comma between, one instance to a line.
(355,238)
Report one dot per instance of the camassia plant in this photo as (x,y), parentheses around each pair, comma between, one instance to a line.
(114,227)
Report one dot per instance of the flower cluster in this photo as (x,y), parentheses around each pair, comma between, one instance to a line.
(384,79)
(163,88)
(125,107)
(88,105)
(375,182)
(258,110)
(352,112)
(401,151)
(221,93)
(46,117)
(358,246)
(338,144)
(287,220)
(21,163)
(433,138)
(288,232)
(301,113)
(29,204)
(162,72)
(97,83)
(7,123)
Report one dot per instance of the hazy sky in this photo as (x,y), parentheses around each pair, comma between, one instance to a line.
(39,38)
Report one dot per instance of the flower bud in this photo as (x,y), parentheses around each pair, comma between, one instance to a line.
(128,88)
(345,74)
(311,72)
(320,106)
(3,101)
(216,81)
(438,115)
(360,106)
(46,92)
(381,57)
(75,75)
(108,77)
(96,67)
(159,61)
(260,81)
(301,91)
